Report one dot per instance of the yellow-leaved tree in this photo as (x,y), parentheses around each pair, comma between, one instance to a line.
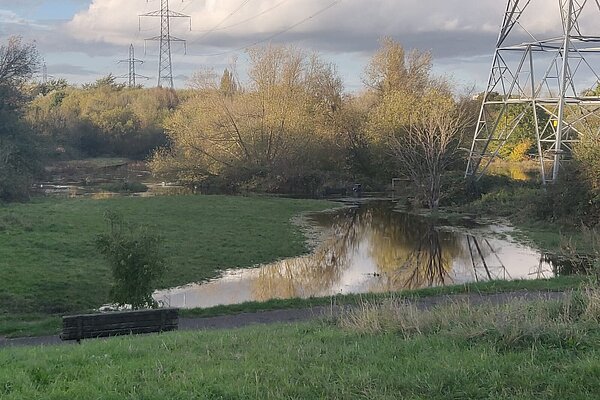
(276,131)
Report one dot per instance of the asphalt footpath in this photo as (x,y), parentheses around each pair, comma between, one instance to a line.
(300,315)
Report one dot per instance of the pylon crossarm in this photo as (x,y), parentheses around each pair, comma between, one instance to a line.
(559,99)
(170,14)
(511,18)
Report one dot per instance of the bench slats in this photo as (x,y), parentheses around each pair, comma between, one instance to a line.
(124,315)
(120,325)
(84,326)
(103,320)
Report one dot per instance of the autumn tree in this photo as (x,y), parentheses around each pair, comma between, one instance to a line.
(228,86)
(275,132)
(392,73)
(18,62)
(415,125)
(392,68)
(103,118)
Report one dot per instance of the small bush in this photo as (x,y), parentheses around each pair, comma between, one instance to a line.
(569,201)
(583,256)
(137,263)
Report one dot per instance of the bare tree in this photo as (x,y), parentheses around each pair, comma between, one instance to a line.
(430,141)
(18,62)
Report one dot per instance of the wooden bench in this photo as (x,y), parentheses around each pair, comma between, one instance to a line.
(86,326)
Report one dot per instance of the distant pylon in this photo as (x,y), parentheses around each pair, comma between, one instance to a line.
(44,73)
(165,66)
(131,61)
(541,87)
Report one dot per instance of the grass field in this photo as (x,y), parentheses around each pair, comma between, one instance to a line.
(546,351)
(50,265)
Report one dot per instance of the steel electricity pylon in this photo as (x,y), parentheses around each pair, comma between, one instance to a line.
(165,66)
(44,73)
(541,88)
(132,61)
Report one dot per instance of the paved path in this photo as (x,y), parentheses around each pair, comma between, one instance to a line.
(305,314)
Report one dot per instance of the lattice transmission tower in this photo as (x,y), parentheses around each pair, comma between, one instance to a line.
(44,73)
(544,89)
(165,65)
(131,62)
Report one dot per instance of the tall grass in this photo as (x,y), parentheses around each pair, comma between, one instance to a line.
(515,324)
(319,360)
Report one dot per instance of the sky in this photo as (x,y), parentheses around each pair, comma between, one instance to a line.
(82,40)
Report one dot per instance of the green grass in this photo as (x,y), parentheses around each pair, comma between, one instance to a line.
(320,360)
(50,265)
(516,203)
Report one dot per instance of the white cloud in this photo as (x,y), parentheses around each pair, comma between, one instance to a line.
(8,17)
(446,26)
(455,31)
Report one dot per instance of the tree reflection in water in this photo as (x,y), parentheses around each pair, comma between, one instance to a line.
(407,252)
(314,274)
(411,253)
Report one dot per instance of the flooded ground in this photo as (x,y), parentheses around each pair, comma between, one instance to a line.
(372,247)
(97,178)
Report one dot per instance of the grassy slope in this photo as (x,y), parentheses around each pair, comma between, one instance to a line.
(304,361)
(50,265)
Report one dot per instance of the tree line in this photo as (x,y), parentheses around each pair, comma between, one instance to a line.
(288,127)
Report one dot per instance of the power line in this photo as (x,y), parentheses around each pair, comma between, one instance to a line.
(247,19)
(214,28)
(137,34)
(321,11)
(185,6)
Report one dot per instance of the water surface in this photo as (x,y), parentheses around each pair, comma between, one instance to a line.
(372,247)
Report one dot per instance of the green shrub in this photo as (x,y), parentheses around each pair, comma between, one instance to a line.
(136,259)
(570,201)
(125,187)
